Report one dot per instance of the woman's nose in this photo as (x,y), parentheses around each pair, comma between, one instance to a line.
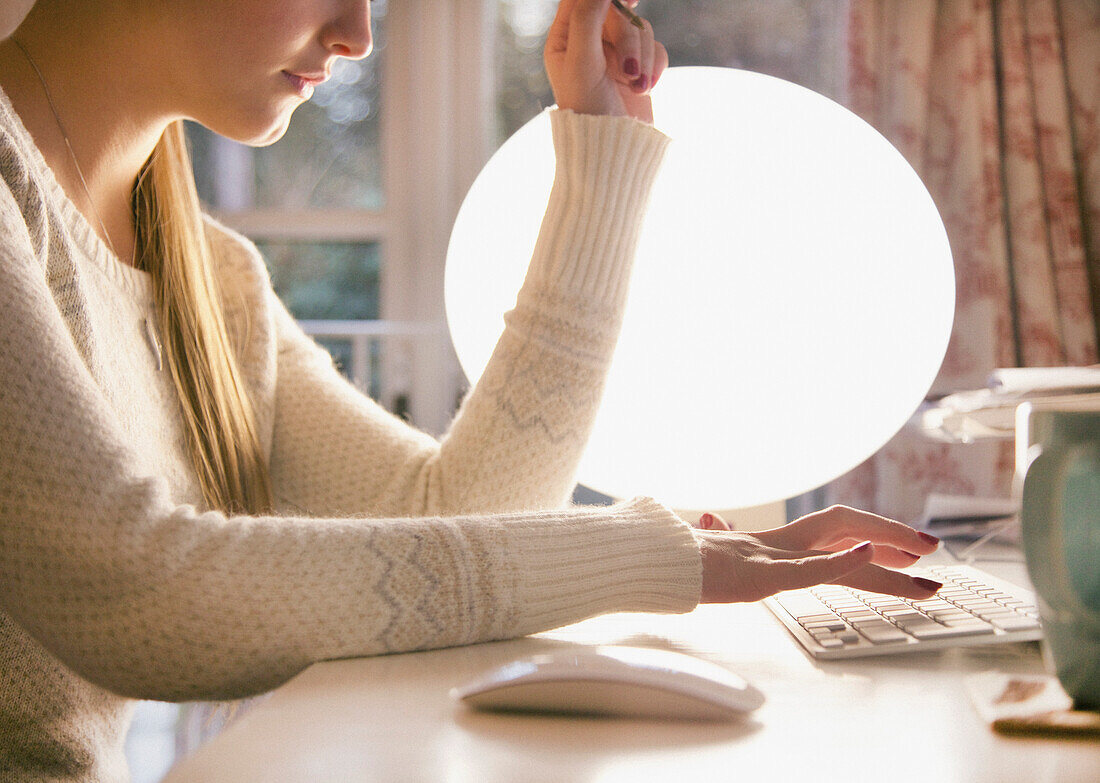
(349,34)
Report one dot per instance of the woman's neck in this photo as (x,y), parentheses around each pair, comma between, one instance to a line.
(102,125)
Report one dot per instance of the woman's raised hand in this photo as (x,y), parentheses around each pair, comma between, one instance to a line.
(599,63)
(839,545)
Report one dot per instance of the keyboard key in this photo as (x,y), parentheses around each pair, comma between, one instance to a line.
(897,615)
(825,625)
(989,614)
(801,604)
(974,606)
(888,635)
(871,622)
(1015,623)
(817,618)
(966,622)
(929,603)
(949,617)
(936,631)
(858,614)
(910,624)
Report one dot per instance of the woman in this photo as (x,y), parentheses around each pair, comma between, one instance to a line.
(193,504)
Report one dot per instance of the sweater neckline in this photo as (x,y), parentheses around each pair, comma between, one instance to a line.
(133,281)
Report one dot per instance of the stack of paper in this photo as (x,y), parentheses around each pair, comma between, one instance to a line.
(981,414)
(956,516)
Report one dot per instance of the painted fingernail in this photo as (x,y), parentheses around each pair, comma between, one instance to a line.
(641,83)
(652,82)
(928,539)
(927,584)
(915,557)
(706,521)
(630,66)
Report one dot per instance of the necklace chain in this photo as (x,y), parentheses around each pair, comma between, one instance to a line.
(68,144)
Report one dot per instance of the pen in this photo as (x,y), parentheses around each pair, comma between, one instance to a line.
(634,20)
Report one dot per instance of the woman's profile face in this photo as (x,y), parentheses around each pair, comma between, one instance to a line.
(241,67)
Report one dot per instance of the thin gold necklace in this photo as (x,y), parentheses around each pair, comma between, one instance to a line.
(69,147)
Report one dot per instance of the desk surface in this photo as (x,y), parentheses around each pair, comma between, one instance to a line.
(391,718)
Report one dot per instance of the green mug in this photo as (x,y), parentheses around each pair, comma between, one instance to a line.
(1059,459)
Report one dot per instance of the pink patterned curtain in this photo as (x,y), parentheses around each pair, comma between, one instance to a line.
(996,103)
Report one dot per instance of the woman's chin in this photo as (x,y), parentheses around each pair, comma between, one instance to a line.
(268,134)
(255,130)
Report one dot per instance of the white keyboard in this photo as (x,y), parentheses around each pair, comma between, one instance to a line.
(973,607)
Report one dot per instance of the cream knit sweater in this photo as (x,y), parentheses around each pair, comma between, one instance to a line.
(115,584)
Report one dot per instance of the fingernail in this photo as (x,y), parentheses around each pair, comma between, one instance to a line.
(652,82)
(630,66)
(915,557)
(927,584)
(641,83)
(706,521)
(863,547)
(928,539)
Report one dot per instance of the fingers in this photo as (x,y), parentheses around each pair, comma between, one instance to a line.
(829,528)
(710,521)
(599,63)
(801,572)
(853,568)
(888,556)
(646,46)
(740,567)
(633,57)
(883,580)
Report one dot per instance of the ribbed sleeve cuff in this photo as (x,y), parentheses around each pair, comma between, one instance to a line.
(632,557)
(605,169)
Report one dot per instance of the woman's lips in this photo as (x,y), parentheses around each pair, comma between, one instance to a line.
(303,84)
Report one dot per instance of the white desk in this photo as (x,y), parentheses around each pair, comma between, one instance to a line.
(390,718)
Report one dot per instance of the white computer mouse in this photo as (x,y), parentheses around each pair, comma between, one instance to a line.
(617,681)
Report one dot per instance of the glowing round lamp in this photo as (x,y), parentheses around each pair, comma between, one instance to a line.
(791,302)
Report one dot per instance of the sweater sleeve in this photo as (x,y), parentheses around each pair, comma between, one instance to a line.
(520,433)
(153,599)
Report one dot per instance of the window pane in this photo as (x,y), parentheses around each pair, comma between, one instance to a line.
(798,40)
(329,157)
(334,281)
(337,282)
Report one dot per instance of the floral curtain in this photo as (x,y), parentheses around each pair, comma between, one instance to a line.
(996,103)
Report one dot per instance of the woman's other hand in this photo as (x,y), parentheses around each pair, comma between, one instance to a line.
(599,63)
(839,545)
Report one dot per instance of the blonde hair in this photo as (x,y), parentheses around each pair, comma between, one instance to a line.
(217,412)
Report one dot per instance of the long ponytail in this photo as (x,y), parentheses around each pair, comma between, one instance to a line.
(218,414)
